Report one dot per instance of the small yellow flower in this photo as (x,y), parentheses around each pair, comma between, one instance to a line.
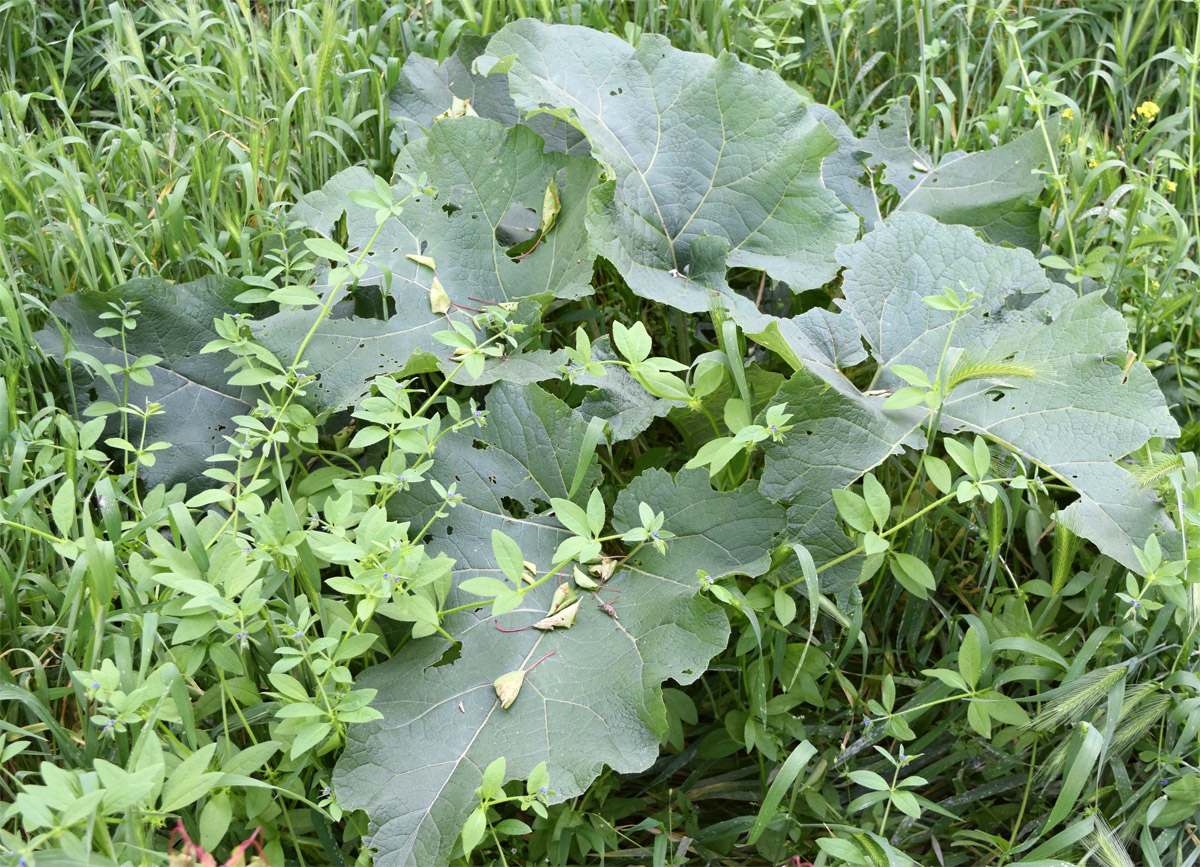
(1068,114)
(1092,163)
(1148,110)
(1170,186)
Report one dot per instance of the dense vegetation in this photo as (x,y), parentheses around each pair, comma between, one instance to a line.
(729,433)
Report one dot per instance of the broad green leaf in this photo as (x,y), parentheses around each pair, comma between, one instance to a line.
(176,322)
(837,434)
(717,533)
(712,164)
(1076,415)
(416,770)
(485,205)
(427,89)
(506,472)
(491,185)
(993,191)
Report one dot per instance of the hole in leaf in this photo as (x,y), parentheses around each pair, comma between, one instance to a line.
(479,444)
(514,508)
(451,656)
(449,530)
(519,225)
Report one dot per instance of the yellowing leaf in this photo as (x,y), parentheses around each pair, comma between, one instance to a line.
(508,686)
(427,261)
(551,205)
(458,108)
(439,301)
(564,595)
(563,619)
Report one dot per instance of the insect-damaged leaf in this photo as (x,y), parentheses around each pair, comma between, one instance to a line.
(712,164)
(426,90)
(482,173)
(416,770)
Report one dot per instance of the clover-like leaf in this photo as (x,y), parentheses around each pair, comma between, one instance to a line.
(712,163)
(619,399)
(416,770)
(175,323)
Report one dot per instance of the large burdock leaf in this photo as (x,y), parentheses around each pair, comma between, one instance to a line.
(837,435)
(596,701)
(491,184)
(711,163)
(506,473)
(174,324)
(428,90)
(492,188)
(992,191)
(1075,414)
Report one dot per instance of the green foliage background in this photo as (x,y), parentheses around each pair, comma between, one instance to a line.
(1003,692)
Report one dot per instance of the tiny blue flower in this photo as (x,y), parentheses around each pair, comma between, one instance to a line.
(386,575)
(775,429)
(326,790)
(654,533)
(867,722)
(297,635)
(543,791)
(95,686)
